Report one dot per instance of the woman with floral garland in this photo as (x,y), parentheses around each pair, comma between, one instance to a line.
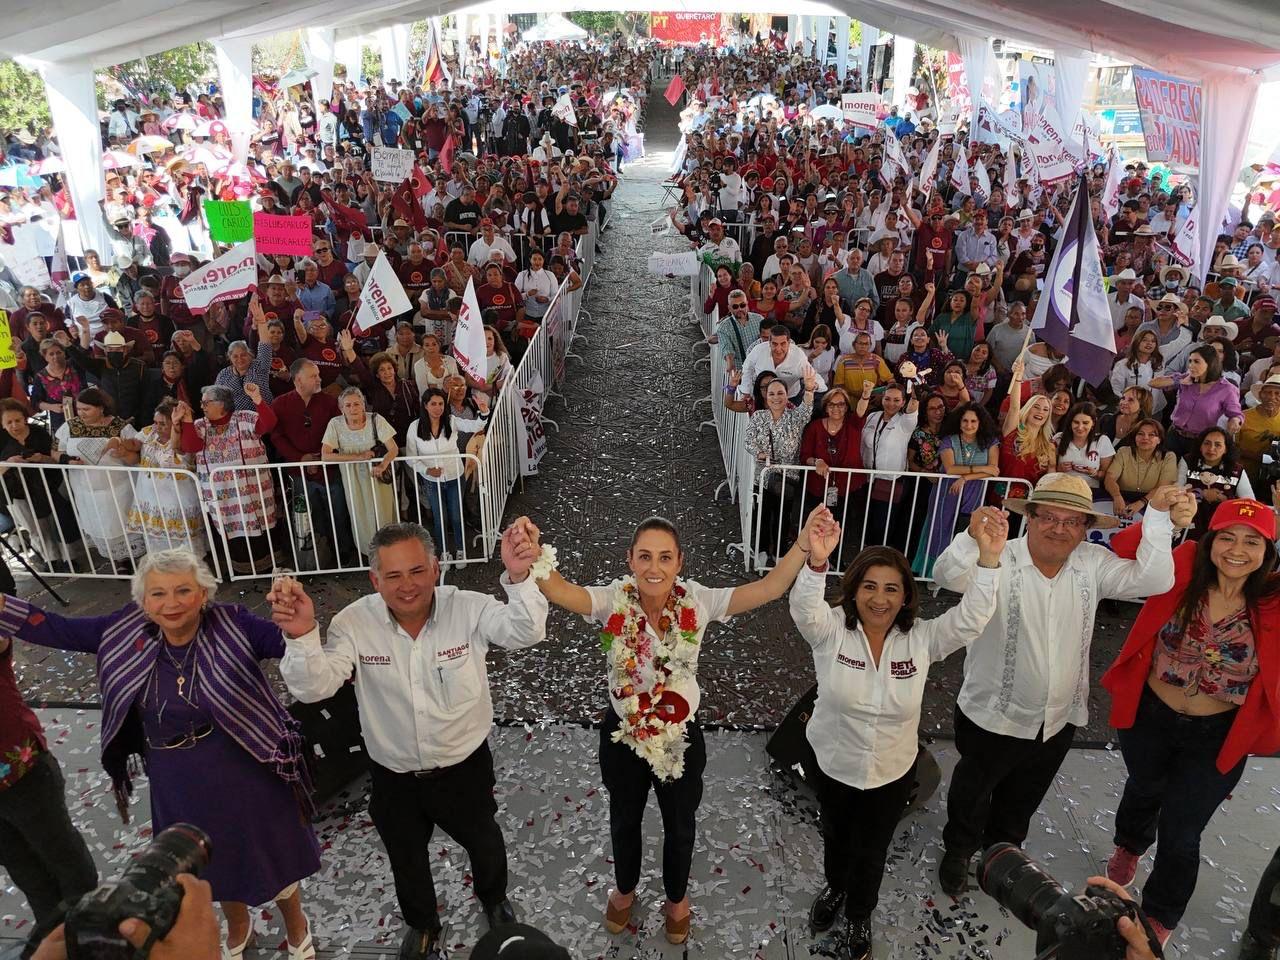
(652,624)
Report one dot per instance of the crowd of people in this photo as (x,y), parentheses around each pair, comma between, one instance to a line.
(855,258)
(907,363)
(117,370)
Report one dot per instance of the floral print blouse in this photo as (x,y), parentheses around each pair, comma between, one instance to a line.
(1217,659)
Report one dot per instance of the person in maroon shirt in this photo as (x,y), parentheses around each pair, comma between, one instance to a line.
(319,348)
(933,242)
(302,415)
(279,305)
(332,270)
(500,295)
(154,328)
(32,303)
(415,272)
(39,846)
(173,303)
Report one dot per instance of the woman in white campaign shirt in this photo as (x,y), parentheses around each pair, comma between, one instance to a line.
(1082,447)
(872,659)
(537,285)
(652,624)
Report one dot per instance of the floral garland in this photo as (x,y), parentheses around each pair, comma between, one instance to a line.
(654,717)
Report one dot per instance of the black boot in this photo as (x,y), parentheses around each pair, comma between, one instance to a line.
(825,909)
(856,943)
(953,871)
(500,913)
(421,945)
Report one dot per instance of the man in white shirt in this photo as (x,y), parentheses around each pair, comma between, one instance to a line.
(884,447)
(786,359)
(1122,297)
(1026,679)
(416,652)
(724,247)
(488,243)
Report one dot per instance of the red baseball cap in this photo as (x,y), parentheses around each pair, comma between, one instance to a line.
(1249,513)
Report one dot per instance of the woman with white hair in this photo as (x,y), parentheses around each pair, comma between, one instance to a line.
(184,695)
(365,443)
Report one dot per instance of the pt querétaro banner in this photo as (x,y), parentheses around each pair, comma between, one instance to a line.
(685,27)
(1170,111)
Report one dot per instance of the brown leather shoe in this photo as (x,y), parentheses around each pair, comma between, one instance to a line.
(617,919)
(677,930)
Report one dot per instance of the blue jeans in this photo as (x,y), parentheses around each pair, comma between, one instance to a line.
(1173,789)
(445,500)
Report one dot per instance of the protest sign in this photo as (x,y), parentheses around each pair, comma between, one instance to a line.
(280,234)
(391,164)
(1170,110)
(229,277)
(531,436)
(8,359)
(230,221)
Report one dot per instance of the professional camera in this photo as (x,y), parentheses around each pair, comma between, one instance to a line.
(148,891)
(1081,927)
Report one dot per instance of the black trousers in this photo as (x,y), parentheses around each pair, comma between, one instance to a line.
(628,779)
(857,828)
(407,808)
(39,846)
(1264,915)
(1172,791)
(998,784)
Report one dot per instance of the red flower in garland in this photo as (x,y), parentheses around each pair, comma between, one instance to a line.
(615,624)
(688,619)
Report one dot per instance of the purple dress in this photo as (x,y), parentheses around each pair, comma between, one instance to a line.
(260,842)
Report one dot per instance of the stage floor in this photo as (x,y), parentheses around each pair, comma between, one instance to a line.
(755,869)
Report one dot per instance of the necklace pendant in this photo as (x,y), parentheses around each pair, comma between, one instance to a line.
(181,683)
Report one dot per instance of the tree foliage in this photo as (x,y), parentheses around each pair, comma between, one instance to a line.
(598,23)
(170,72)
(23,103)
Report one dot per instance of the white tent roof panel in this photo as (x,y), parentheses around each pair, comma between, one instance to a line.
(1191,37)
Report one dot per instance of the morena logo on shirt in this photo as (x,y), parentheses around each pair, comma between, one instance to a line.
(329,355)
(376,659)
(902,669)
(416,277)
(499,300)
(153,336)
(277,363)
(850,662)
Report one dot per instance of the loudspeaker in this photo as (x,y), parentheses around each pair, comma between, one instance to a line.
(332,740)
(789,747)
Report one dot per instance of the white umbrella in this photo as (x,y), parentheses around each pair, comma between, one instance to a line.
(295,78)
(181,121)
(115,159)
(49,165)
(827,112)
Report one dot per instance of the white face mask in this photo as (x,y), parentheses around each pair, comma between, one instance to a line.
(181,269)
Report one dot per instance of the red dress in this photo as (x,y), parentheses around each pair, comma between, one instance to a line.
(1026,467)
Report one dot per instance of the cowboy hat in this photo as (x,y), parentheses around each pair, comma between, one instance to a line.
(1256,390)
(1173,268)
(1065,491)
(1228,262)
(1221,323)
(1125,274)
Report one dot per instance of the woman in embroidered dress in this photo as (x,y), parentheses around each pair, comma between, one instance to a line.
(102,498)
(166,506)
(242,502)
(652,626)
(1194,692)
(183,693)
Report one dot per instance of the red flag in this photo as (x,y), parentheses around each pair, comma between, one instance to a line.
(674,89)
(406,204)
(421,183)
(348,220)
(446,153)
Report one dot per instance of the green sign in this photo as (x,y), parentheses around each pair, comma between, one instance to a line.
(230,221)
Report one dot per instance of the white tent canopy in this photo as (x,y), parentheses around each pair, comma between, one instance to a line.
(555,27)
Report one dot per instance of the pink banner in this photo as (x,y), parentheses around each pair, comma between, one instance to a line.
(277,234)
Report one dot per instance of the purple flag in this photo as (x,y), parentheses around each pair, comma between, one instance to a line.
(1073,315)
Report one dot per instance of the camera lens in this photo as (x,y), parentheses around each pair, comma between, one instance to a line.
(1018,883)
(181,848)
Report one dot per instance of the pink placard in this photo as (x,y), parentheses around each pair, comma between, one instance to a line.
(277,234)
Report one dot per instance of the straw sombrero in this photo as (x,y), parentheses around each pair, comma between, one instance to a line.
(1066,492)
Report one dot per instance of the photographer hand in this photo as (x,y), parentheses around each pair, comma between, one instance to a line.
(195,935)
(1139,948)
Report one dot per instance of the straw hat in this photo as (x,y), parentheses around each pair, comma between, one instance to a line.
(1065,491)
(1256,390)
(1221,323)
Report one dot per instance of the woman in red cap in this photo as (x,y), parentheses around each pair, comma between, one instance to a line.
(1195,691)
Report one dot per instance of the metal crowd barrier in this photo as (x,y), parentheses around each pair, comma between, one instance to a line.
(342,504)
(730,426)
(893,508)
